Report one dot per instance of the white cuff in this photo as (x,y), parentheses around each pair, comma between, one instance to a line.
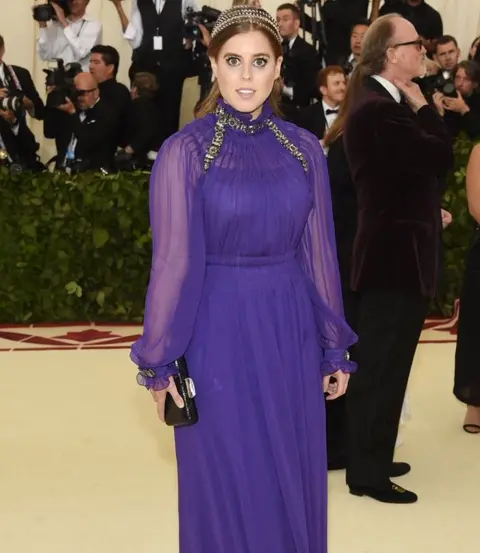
(130,32)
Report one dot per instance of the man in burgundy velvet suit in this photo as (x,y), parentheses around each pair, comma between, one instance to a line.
(397,147)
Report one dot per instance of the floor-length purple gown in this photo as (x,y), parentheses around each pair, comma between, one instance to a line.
(244,282)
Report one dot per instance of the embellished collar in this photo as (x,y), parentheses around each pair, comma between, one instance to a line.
(226,116)
(243,121)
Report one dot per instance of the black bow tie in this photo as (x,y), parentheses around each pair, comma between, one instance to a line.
(331,111)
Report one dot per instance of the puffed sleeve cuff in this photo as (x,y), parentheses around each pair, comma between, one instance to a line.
(156,378)
(337,360)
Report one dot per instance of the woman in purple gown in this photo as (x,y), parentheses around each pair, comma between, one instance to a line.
(244,283)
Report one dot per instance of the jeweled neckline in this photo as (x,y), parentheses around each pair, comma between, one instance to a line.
(243,121)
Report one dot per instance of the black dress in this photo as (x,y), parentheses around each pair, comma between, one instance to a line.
(467,371)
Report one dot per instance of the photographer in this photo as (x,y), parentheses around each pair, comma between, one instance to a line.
(69,37)
(18,95)
(104,63)
(462,112)
(145,126)
(155,31)
(88,141)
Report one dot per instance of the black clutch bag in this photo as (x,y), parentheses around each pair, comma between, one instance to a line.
(174,416)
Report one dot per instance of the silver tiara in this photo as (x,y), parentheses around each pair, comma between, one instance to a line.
(247,14)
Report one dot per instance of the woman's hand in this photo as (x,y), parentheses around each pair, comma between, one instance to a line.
(160,396)
(338,388)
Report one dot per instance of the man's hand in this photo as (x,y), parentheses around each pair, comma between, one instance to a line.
(28,104)
(438,98)
(3,93)
(206,36)
(67,107)
(458,104)
(60,14)
(432,67)
(413,94)
(8,116)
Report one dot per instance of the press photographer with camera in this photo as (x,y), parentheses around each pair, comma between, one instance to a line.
(86,140)
(461,111)
(155,31)
(66,31)
(440,70)
(18,96)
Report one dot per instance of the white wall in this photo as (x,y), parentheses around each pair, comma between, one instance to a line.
(461,19)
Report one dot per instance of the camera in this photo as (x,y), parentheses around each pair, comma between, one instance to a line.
(45,12)
(13,102)
(62,79)
(206,16)
(446,85)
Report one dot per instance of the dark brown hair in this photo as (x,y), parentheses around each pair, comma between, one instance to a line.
(210,101)
(146,84)
(372,62)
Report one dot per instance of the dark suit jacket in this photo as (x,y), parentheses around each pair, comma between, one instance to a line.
(396,158)
(28,88)
(96,139)
(145,129)
(300,67)
(312,118)
(22,146)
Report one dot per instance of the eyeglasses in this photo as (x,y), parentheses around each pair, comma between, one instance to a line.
(419,43)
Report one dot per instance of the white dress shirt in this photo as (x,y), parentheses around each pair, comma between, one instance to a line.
(2,75)
(330,118)
(390,87)
(72,44)
(134,32)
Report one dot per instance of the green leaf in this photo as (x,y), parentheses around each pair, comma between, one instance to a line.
(101,298)
(71,287)
(100,237)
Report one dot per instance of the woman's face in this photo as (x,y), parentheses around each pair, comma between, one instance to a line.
(246,70)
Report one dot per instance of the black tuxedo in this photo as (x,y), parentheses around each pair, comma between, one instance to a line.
(313,119)
(300,67)
(21,145)
(145,129)
(27,87)
(117,96)
(96,139)
(396,158)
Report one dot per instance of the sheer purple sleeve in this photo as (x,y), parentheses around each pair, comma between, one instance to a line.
(318,257)
(178,262)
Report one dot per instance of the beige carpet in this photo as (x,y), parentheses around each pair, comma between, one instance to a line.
(86,468)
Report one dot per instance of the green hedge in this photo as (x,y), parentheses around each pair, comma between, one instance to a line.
(78,248)
(73,249)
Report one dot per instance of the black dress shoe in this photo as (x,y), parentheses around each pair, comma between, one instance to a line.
(399,469)
(391,493)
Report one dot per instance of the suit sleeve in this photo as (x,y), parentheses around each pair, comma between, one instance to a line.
(422,144)
(32,94)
